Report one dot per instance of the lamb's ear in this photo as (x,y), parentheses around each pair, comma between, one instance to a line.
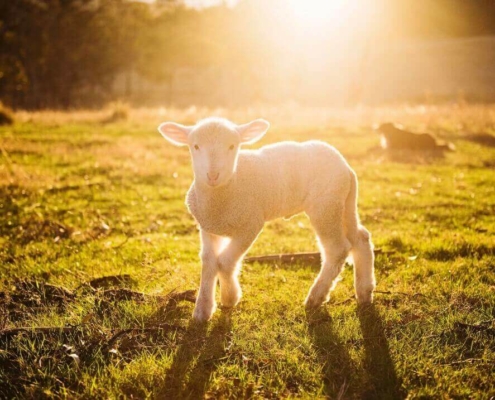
(253,131)
(175,133)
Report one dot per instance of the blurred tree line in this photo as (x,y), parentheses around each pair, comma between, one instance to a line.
(62,53)
(67,53)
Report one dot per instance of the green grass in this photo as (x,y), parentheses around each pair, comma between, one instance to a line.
(84,199)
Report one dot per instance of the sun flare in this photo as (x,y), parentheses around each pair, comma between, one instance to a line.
(321,12)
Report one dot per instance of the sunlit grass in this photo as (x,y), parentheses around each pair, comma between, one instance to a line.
(117,189)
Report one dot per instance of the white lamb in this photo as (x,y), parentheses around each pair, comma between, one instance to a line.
(235,191)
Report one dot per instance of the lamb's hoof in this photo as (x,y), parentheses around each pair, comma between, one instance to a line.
(230,301)
(365,298)
(365,302)
(227,305)
(313,302)
(203,313)
(316,297)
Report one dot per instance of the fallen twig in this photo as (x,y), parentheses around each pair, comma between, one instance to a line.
(401,293)
(287,258)
(127,294)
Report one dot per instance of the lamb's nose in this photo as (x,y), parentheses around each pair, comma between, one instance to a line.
(212,176)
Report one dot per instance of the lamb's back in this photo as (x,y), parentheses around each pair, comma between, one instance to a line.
(283,175)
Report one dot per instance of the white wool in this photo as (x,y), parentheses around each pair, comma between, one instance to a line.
(278,180)
(236,191)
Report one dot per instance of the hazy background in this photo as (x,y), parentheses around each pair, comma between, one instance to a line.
(83,54)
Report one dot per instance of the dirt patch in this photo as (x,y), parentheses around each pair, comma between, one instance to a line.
(27,297)
(111,281)
(34,358)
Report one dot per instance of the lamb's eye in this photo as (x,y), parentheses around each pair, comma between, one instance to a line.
(196,147)
(231,147)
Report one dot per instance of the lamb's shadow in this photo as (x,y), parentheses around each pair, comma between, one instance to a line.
(383,382)
(196,359)
(332,354)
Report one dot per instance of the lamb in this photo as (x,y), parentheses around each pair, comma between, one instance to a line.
(236,191)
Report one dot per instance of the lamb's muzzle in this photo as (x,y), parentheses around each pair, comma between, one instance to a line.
(212,178)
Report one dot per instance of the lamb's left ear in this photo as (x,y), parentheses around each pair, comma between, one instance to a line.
(253,131)
(175,133)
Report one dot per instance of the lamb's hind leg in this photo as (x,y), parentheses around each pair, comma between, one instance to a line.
(364,273)
(334,246)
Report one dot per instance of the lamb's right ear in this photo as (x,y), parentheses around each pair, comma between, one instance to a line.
(175,133)
(253,131)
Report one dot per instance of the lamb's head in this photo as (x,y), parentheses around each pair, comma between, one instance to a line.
(214,145)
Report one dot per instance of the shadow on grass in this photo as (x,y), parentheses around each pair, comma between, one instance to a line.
(382,381)
(196,359)
(332,353)
(341,378)
(483,139)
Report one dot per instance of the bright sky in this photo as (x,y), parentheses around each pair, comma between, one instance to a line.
(312,15)
(315,13)
(307,8)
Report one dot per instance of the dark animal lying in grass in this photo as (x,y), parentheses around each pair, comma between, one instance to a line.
(396,138)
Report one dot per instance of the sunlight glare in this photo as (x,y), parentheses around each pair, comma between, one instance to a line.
(321,12)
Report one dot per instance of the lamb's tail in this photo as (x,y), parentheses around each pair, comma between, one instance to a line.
(351,217)
(361,254)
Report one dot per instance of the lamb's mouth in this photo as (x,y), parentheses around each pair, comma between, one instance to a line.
(218,183)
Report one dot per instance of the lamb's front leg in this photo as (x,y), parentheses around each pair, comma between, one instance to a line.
(205,303)
(229,264)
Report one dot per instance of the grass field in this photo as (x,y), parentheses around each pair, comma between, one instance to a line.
(82,199)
